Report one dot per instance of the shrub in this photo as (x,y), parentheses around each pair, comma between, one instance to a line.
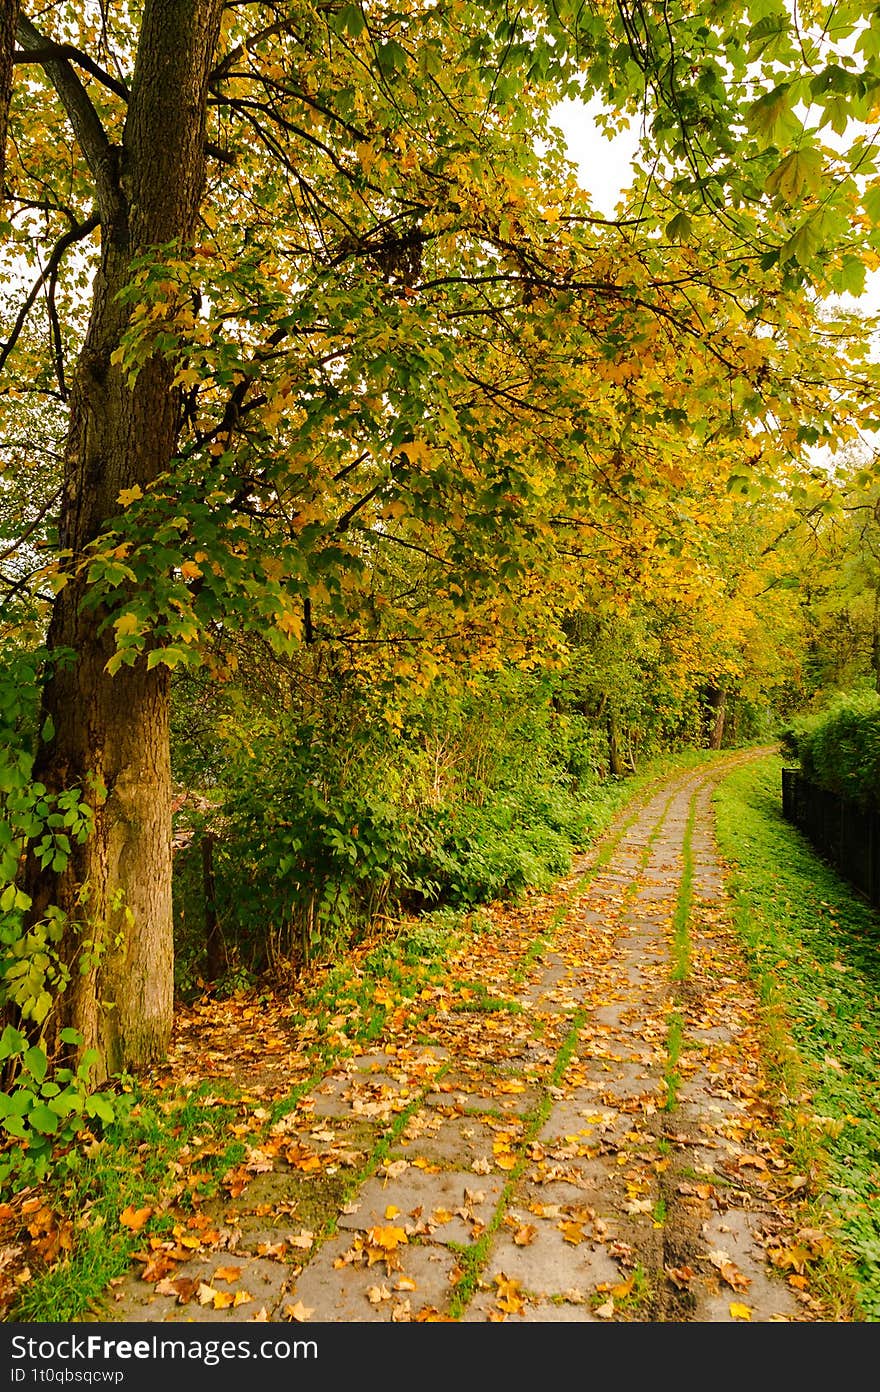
(839,749)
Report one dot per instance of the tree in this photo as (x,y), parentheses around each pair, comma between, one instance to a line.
(381,323)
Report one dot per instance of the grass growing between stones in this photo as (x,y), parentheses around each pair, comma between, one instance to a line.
(813,946)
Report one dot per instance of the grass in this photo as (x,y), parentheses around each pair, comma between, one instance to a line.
(813,947)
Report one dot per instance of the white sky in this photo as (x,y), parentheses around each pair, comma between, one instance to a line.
(604,165)
(604,168)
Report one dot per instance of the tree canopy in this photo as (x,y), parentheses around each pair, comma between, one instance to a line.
(315,353)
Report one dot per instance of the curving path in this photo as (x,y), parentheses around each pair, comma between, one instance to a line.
(579,1133)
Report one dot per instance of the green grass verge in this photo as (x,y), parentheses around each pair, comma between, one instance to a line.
(813,946)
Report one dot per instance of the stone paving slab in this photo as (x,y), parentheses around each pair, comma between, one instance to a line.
(338,1290)
(550,1265)
(484,1306)
(461,1139)
(733,1232)
(467,1198)
(264,1280)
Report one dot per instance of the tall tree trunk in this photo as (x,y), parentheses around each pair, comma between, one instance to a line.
(615,758)
(718,708)
(8,26)
(111,733)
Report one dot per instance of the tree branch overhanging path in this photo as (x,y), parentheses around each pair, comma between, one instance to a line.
(352,391)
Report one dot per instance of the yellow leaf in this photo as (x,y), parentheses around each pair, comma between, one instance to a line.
(418,452)
(387,1238)
(298,1312)
(227,1273)
(129,495)
(134,1218)
(222,1300)
(242,1298)
(190,571)
(391,1211)
(740,1312)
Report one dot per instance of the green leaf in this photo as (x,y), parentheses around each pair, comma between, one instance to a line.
(43,1119)
(12,1042)
(799,172)
(871,202)
(36,1063)
(679,228)
(100,1106)
(770,118)
(390,58)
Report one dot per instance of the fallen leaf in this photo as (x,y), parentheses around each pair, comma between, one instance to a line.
(740,1312)
(134,1218)
(571,1232)
(227,1273)
(525,1234)
(298,1312)
(509,1299)
(242,1297)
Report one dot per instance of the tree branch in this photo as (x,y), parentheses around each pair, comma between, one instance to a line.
(76,234)
(52,52)
(93,141)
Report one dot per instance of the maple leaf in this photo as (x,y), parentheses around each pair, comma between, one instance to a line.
(508,1297)
(571,1232)
(227,1273)
(299,1313)
(525,1234)
(242,1297)
(135,1218)
(740,1312)
(388,1238)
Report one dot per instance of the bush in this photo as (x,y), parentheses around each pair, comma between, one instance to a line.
(839,748)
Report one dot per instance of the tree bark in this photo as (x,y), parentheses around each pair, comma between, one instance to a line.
(8,25)
(718,708)
(111,733)
(615,758)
